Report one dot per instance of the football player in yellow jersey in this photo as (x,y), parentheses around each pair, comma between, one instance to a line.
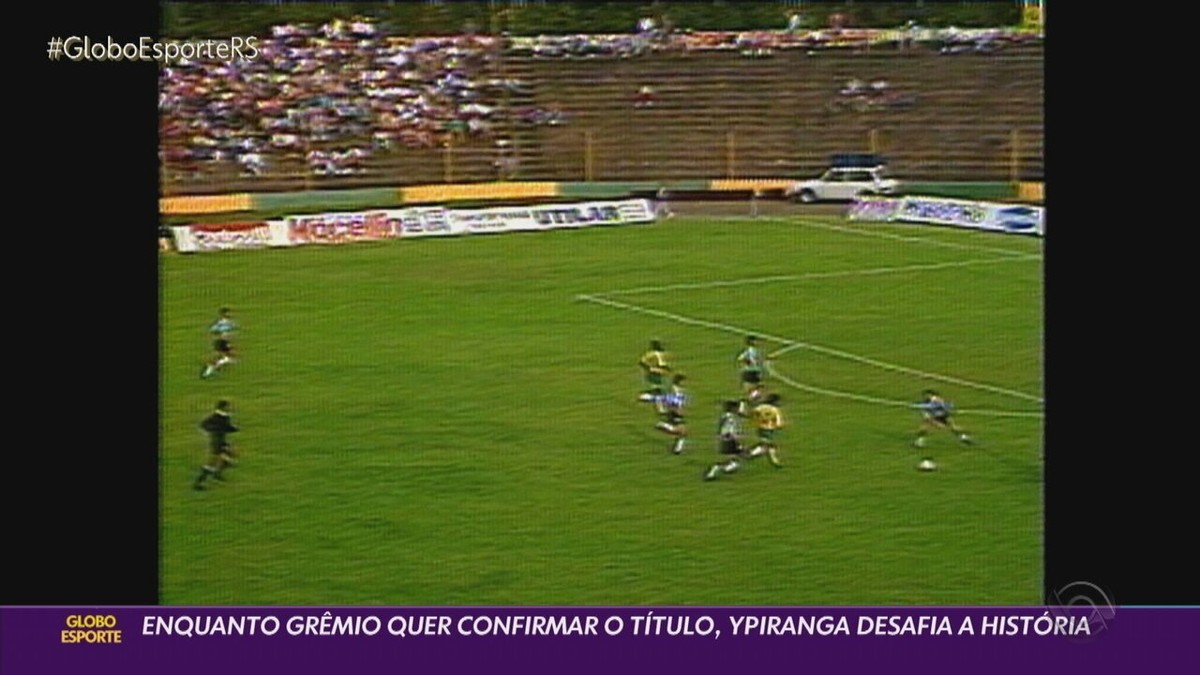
(655,367)
(768,421)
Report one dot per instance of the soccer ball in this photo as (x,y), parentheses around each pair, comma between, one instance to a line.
(927,465)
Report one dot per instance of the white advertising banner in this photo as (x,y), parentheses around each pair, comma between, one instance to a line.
(552,216)
(222,236)
(990,216)
(381,224)
(342,228)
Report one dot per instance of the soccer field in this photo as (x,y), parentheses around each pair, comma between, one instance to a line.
(453,421)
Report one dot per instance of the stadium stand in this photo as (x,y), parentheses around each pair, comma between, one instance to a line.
(399,111)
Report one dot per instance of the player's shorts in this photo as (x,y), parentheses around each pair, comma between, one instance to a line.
(673,418)
(751,376)
(654,379)
(766,435)
(222,345)
(939,418)
(728,447)
(219,447)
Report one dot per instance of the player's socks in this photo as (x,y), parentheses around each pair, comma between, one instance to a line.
(731,466)
(205,471)
(663,426)
(208,371)
(677,448)
(919,442)
(713,472)
(758,451)
(774,457)
(965,439)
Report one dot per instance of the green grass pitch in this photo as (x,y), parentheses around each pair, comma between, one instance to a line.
(446,421)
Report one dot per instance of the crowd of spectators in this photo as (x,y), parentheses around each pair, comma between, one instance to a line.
(651,37)
(952,41)
(861,96)
(329,97)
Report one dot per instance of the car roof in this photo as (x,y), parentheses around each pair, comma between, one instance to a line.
(859,160)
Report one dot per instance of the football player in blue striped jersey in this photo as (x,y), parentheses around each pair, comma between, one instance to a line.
(935,413)
(222,331)
(672,422)
(751,366)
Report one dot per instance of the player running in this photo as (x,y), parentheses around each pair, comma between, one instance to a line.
(218,426)
(729,436)
(768,421)
(672,419)
(935,413)
(655,368)
(751,364)
(222,331)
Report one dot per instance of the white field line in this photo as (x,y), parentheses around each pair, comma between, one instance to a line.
(889,235)
(812,275)
(883,401)
(797,344)
(679,318)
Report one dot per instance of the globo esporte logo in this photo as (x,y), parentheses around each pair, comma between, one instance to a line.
(91,629)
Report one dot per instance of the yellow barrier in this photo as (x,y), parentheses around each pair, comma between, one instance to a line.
(446,193)
(738,184)
(205,204)
(1031,192)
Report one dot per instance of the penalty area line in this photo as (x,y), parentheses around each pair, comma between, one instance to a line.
(790,344)
(861,398)
(870,271)
(679,318)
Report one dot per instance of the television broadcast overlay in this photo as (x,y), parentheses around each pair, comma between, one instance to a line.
(591,640)
(84,48)
(577,332)
(512,304)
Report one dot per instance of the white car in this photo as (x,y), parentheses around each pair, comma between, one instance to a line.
(843,184)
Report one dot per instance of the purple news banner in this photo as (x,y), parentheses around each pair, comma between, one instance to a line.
(180,640)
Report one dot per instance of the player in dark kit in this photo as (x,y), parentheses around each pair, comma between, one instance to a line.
(935,413)
(218,426)
(222,330)
(672,418)
(728,441)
